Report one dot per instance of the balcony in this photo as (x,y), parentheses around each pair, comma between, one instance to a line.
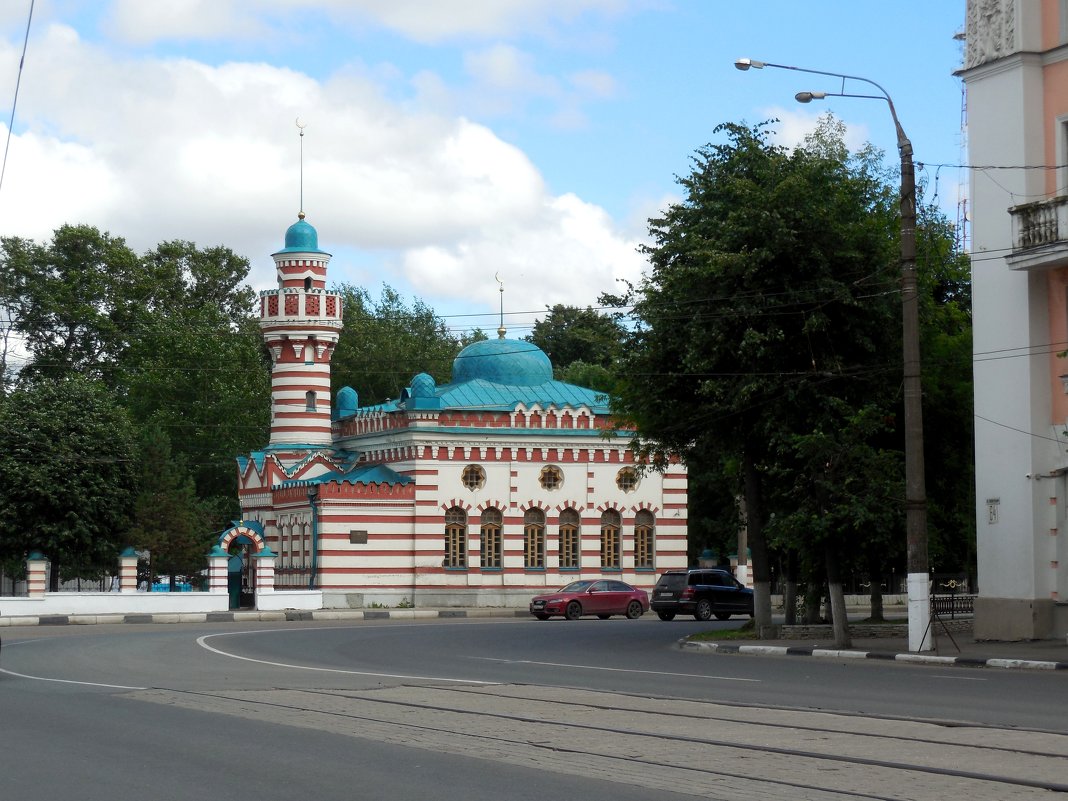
(1039,235)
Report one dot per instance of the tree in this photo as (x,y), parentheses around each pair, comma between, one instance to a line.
(839,494)
(171,333)
(67,459)
(206,383)
(946,344)
(168,518)
(385,343)
(771,292)
(570,334)
(75,301)
(187,277)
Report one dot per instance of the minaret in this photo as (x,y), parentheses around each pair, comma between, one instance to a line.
(300,322)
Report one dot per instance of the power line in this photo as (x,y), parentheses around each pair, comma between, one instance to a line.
(18,80)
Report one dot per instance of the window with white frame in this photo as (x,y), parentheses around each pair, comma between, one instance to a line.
(610,541)
(534,539)
(491,536)
(455,537)
(644,524)
(569,540)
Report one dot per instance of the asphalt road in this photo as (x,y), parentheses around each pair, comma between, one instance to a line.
(503,709)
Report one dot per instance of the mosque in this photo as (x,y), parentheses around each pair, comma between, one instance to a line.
(483,491)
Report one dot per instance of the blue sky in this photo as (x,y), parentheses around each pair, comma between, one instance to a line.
(447,142)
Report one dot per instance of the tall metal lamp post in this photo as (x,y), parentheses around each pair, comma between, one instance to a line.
(919,592)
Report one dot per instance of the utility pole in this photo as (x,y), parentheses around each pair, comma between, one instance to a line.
(919,580)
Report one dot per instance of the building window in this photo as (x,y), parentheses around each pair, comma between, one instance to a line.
(643,540)
(309,401)
(491,538)
(610,526)
(627,479)
(551,477)
(534,539)
(474,477)
(455,538)
(569,539)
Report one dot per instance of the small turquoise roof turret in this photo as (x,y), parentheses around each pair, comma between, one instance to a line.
(301,237)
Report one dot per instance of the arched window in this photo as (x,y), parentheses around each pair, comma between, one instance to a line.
(644,525)
(307,284)
(610,546)
(569,540)
(491,537)
(534,538)
(309,401)
(455,538)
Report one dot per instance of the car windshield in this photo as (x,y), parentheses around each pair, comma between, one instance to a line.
(576,586)
(672,581)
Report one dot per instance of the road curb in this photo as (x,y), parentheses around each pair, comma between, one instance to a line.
(241,616)
(832,653)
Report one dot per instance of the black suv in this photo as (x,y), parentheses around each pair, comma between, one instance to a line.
(701,592)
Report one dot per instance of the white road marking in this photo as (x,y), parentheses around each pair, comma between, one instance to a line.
(70,681)
(201,642)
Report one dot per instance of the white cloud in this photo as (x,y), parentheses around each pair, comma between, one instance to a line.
(506,68)
(141,21)
(794,125)
(157,149)
(594,83)
(566,251)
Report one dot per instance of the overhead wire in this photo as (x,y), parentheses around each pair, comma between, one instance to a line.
(15,100)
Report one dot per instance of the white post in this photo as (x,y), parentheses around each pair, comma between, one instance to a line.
(919,586)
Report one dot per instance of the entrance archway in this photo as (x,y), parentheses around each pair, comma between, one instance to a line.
(242,541)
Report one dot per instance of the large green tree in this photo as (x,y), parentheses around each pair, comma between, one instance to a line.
(771,292)
(75,300)
(206,382)
(171,333)
(67,465)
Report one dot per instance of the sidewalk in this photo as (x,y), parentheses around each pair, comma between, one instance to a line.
(962,649)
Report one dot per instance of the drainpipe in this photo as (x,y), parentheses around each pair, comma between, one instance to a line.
(313,497)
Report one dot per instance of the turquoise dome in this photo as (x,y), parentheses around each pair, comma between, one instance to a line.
(301,237)
(503,361)
(423,386)
(346,402)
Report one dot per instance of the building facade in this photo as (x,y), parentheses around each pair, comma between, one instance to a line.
(480,492)
(1016,76)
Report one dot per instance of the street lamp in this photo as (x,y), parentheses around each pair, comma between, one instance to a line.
(919,592)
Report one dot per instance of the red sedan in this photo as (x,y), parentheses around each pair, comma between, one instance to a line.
(603,598)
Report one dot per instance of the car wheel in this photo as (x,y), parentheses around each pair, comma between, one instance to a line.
(723,615)
(573,611)
(703,610)
(666,615)
(604,617)
(541,616)
(634,610)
